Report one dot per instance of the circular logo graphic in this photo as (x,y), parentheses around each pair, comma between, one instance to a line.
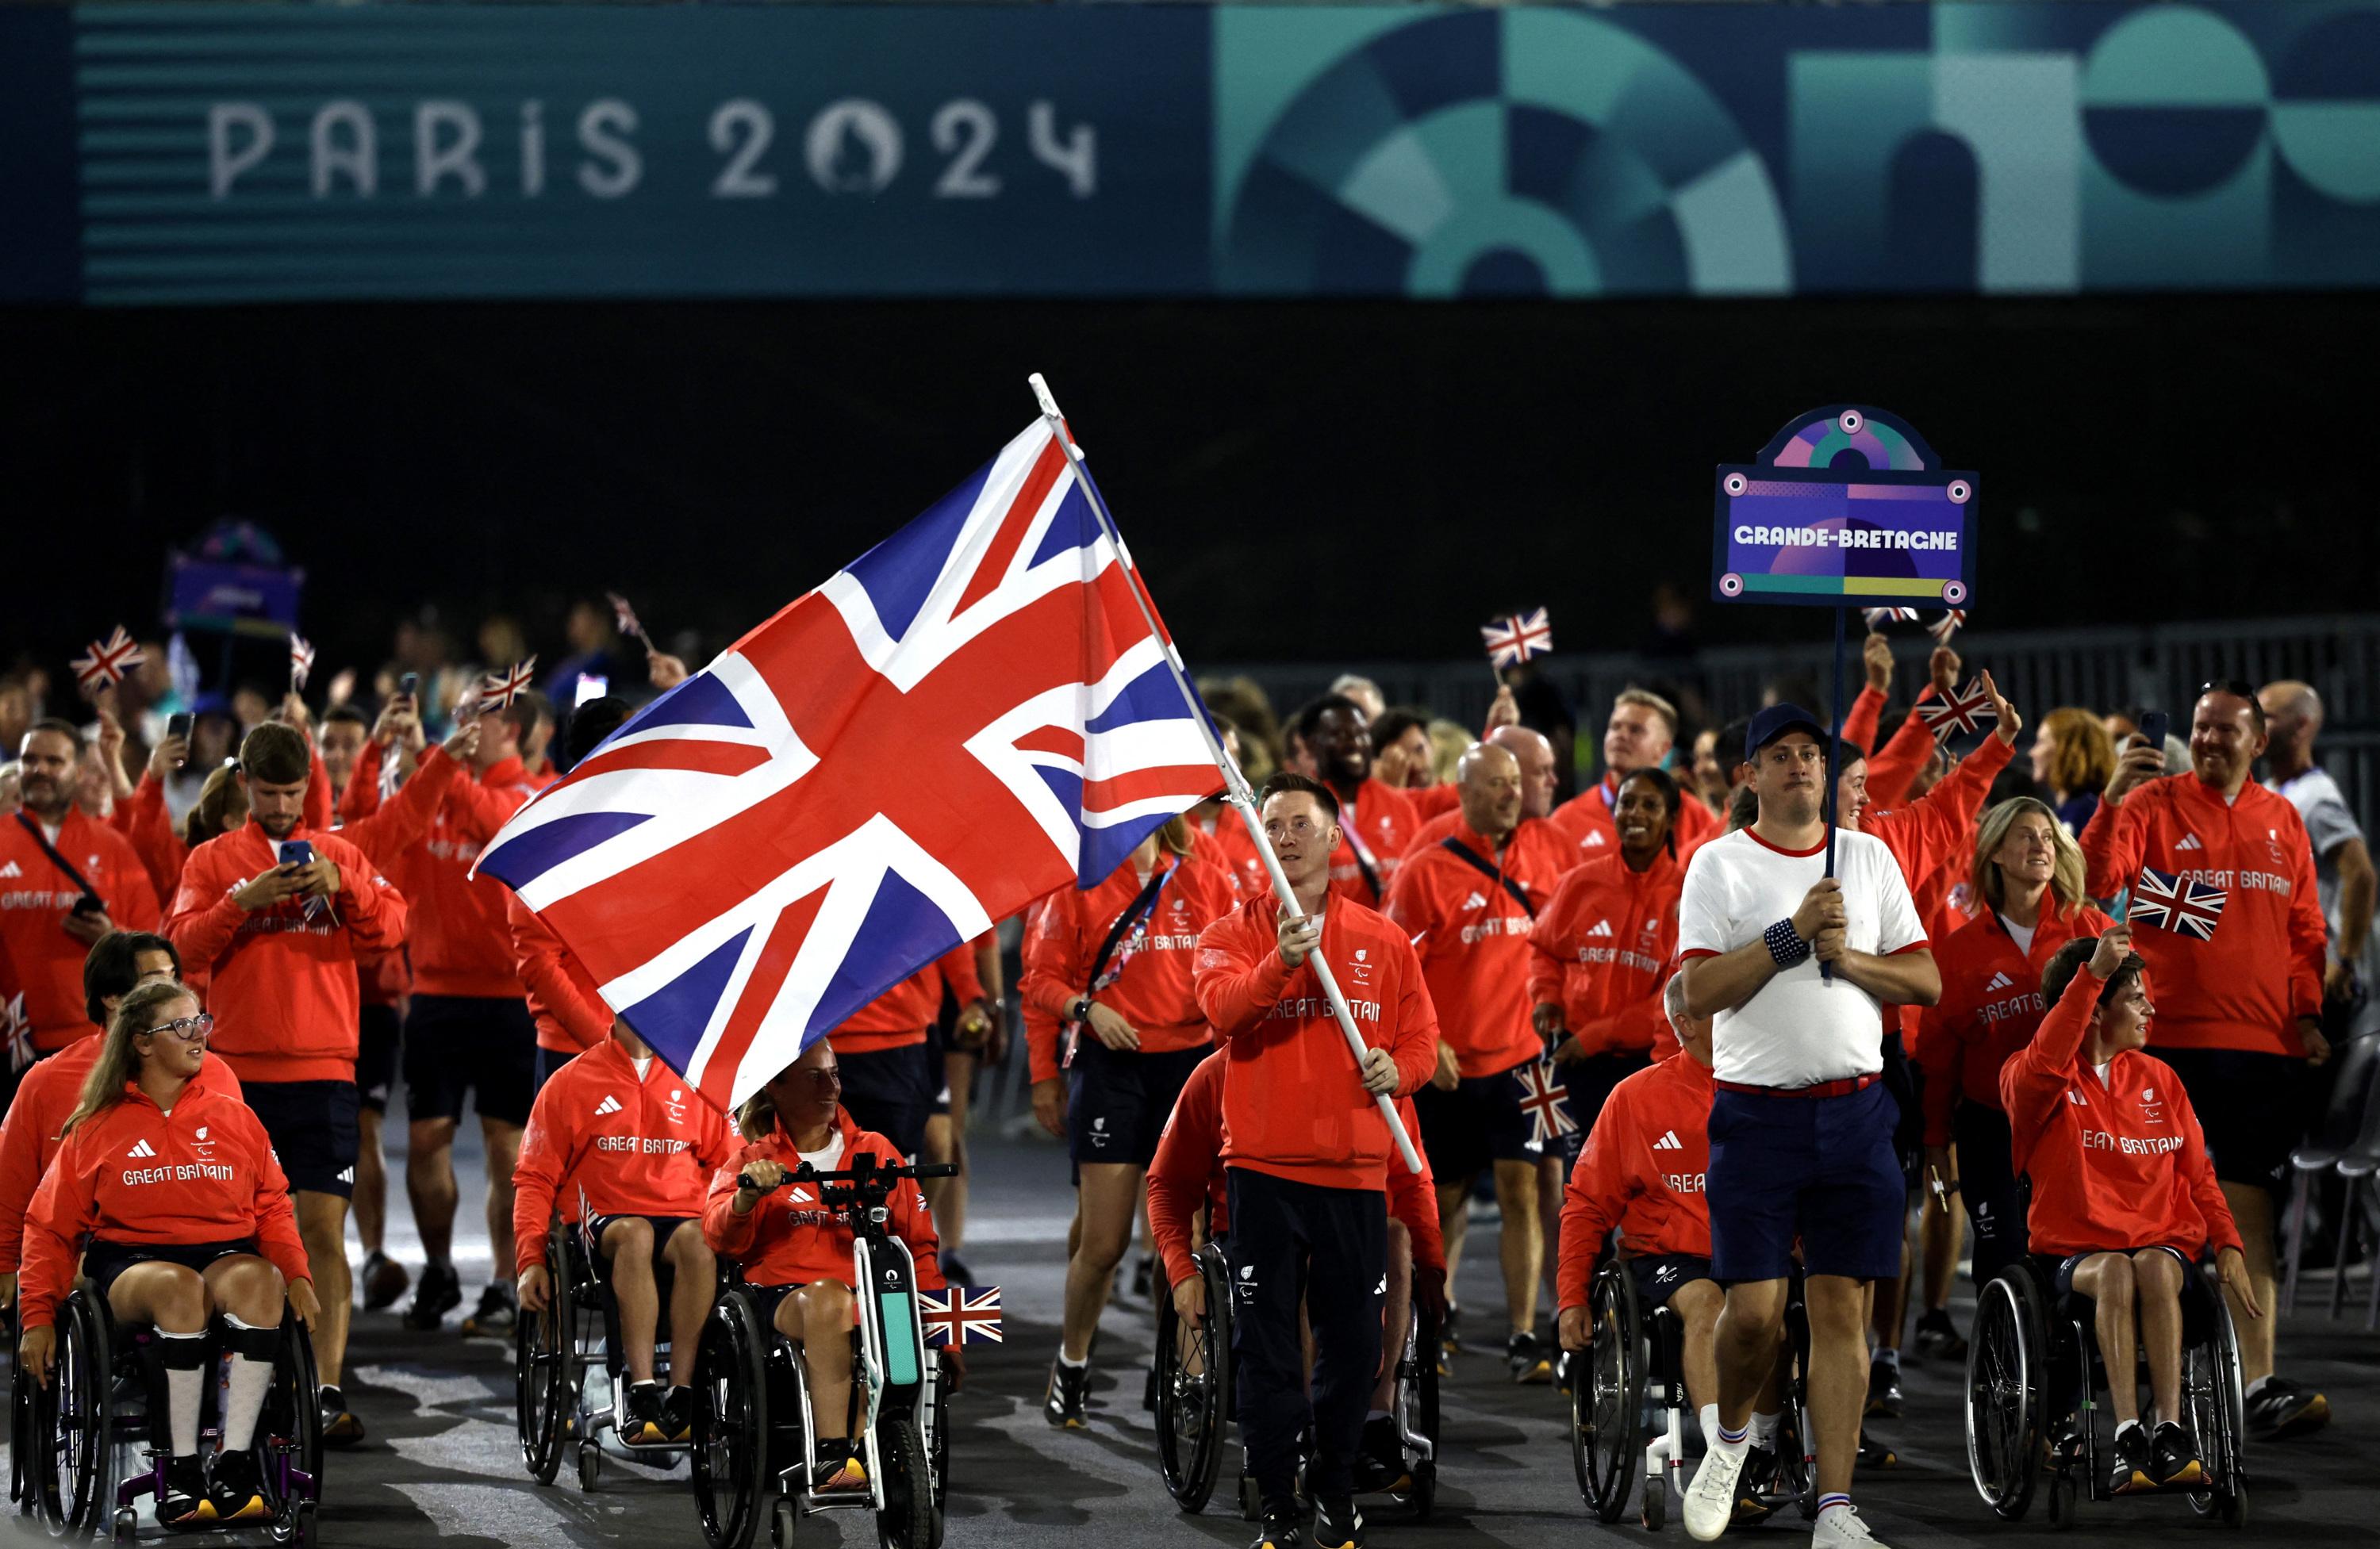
(1730,584)
(854,147)
(1954,592)
(1851,421)
(1737,484)
(1958,493)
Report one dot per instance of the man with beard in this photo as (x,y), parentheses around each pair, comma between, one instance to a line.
(2238,1014)
(1467,902)
(1374,823)
(274,916)
(1797,965)
(1643,729)
(65,880)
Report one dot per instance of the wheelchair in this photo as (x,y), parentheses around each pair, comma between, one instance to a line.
(2034,1374)
(97,1433)
(1629,1405)
(1194,1398)
(554,1350)
(752,1420)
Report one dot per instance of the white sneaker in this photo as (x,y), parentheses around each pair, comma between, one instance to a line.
(1710,1499)
(1842,1526)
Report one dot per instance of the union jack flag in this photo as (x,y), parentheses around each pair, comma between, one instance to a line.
(1516,637)
(1878,617)
(1945,626)
(1960,711)
(626,618)
(2192,909)
(1542,1100)
(970,714)
(961,1315)
(503,688)
(104,665)
(302,662)
(17,1032)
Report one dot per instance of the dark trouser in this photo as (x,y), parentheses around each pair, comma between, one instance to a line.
(1290,1241)
(1987,1183)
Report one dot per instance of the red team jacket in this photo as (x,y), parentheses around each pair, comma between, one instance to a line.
(1894,767)
(29,1137)
(1472,936)
(788,1239)
(1294,1105)
(38,959)
(203,1174)
(633,1146)
(1383,822)
(1599,949)
(571,1017)
(1990,1006)
(1643,1171)
(2246,988)
(462,940)
(1153,991)
(898,1018)
(1587,819)
(2119,1164)
(1187,1171)
(284,987)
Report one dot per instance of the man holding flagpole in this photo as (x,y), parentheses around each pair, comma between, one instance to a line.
(1306,1153)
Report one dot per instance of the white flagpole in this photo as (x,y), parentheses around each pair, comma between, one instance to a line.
(1236,790)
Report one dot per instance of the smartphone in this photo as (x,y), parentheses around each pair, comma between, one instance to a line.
(179,725)
(410,686)
(592,685)
(296,852)
(2154,724)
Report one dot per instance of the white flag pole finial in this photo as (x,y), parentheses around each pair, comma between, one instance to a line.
(1240,795)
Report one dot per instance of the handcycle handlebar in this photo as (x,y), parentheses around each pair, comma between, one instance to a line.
(864,1177)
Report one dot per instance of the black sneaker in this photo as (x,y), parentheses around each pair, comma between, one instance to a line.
(1380,1458)
(1752,1487)
(838,1469)
(1937,1337)
(1449,1340)
(1527,1360)
(1874,1454)
(236,1494)
(2174,1462)
(184,1499)
(1338,1525)
(2130,1472)
(384,1280)
(1143,1277)
(496,1313)
(437,1293)
(1281,1528)
(640,1415)
(677,1414)
(1883,1390)
(1062,1406)
(2283,1409)
(340,1427)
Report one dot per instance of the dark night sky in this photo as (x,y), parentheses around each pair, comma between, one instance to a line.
(1319,482)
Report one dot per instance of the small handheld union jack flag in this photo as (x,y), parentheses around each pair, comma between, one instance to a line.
(1878,617)
(502,688)
(1959,711)
(1945,626)
(1516,637)
(2192,909)
(624,618)
(104,665)
(17,1033)
(961,1315)
(1542,1100)
(302,662)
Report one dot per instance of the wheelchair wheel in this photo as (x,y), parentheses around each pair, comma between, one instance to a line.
(2008,1371)
(1797,1445)
(73,1466)
(2211,1392)
(730,1444)
(1607,1401)
(545,1369)
(1418,1402)
(907,1519)
(290,1426)
(1191,1405)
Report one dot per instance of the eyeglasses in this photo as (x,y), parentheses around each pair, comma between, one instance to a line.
(189,1029)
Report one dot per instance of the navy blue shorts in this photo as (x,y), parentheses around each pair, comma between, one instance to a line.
(1820,1169)
(312,1126)
(1657,1275)
(1117,1103)
(1467,1131)
(1587,1086)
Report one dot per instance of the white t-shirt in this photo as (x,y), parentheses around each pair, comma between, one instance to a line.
(827,1159)
(1799,1029)
(2022,935)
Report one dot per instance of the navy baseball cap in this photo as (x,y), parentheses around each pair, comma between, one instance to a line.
(1775,722)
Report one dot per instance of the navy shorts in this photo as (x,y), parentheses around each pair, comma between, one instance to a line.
(664,1228)
(312,1126)
(2254,1108)
(1820,1169)
(378,1037)
(891,1092)
(482,1046)
(1657,1275)
(1477,1124)
(1117,1103)
(1587,1086)
(104,1261)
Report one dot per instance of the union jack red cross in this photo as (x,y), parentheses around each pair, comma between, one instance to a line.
(105,664)
(1959,711)
(961,1315)
(1542,1100)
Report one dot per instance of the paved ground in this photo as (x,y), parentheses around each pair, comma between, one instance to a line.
(442,1466)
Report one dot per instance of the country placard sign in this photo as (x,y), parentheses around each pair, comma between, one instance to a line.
(1848,507)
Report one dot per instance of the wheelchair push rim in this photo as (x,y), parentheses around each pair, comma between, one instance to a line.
(731,1424)
(1607,1396)
(1190,1409)
(2008,1369)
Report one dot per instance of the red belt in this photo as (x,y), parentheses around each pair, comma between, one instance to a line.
(1843,1088)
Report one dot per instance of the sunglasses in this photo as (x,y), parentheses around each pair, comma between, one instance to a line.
(189,1029)
(2235,687)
